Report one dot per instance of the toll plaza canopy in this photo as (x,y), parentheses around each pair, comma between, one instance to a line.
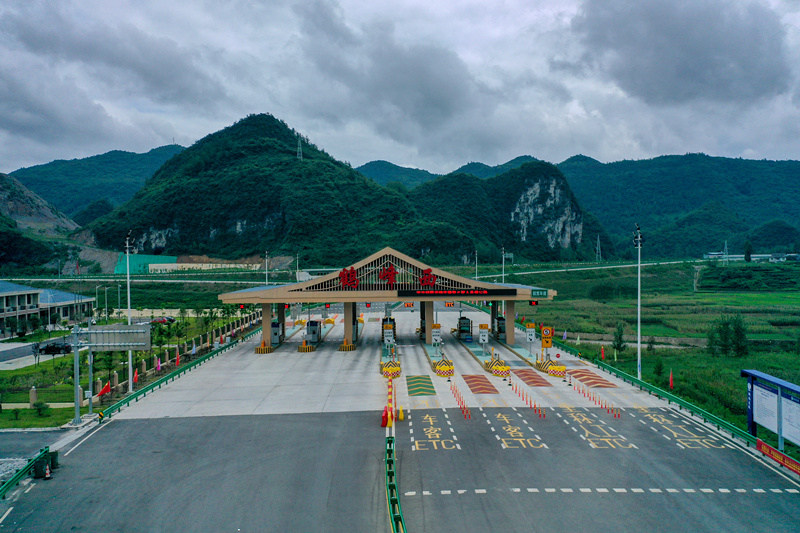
(386,276)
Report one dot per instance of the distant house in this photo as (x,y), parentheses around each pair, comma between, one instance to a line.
(22,302)
(777,258)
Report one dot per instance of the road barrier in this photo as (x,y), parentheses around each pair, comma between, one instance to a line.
(392,492)
(107,412)
(722,425)
(23,472)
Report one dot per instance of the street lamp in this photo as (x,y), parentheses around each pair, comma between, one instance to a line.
(637,243)
(128,273)
(96,299)
(266,267)
(106,302)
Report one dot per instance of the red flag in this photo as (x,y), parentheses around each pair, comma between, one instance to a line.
(671,384)
(136,376)
(106,389)
(602,353)
(177,358)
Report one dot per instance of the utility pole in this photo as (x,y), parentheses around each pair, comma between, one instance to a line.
(128,274)
(598,256)
(266,267)
(476,265)
(503,253)
(106,302)
(637,243)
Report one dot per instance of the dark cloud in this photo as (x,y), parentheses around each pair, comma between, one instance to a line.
(668,51)
(402,89)
(119,55)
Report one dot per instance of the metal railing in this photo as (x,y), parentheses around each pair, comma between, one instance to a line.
(23,472)
(392,491)
(157,384)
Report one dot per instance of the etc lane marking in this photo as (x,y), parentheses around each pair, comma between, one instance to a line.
(87,437)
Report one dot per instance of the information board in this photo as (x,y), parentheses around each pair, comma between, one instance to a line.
(483,333)
(790,409)
(765,406)
(530,329)
(436,333)
(388,334)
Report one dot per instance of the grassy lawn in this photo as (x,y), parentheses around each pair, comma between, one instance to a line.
(28,418)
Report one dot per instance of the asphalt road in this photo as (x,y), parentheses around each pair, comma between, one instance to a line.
(291,442)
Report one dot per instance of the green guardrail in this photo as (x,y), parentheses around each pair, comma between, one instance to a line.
(157,384)
(392,492)
(23,472)
(722,425)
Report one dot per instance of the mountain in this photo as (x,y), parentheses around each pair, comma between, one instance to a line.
(481,170)
(383,172)
(73,185)
(29,211)
(661,192)
(243,190)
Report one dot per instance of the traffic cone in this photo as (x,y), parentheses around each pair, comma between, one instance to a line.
(47,471)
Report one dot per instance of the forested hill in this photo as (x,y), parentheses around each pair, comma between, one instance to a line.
(243,190)
(662,193)
(114,176)
(384,172)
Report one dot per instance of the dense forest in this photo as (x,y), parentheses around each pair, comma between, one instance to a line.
(243,190)
(116,176)
(18,252)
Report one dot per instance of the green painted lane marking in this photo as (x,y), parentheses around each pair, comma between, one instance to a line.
(420,386)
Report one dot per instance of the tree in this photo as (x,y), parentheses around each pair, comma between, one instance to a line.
(748,251)
(105,361)
(651,344)
(34,322)
(22,327)
(738,336)
(658,368)
(11,325)
(619,341)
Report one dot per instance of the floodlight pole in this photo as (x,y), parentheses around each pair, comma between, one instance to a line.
(76,376)
(476,265)
(128,274)
(266,267)
(637,243)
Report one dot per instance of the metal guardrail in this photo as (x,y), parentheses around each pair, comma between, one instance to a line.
(722,425)
(22,472)
(108,411)
(392,492)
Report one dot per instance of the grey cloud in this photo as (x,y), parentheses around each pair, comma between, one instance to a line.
(669,51)
(116,56)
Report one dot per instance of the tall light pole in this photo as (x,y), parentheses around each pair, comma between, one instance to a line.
(476,264)
(503,252)
(119,300)
(266,267)
(106,301)
(96,300)
(128,274)
(637,243)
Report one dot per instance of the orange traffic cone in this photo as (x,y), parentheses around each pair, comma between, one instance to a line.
(47,471)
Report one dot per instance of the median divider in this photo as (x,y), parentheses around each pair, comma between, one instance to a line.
(157,384)
(392,491)
(13,481)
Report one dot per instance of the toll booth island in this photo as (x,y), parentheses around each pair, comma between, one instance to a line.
(385,276)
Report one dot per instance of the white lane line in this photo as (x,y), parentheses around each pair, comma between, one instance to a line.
(740,490)
(529,489)
(426,493)
(707,491)
(29,488)
(776,491)
(656,491)
(5,514)
(549,490)
(638,491)
(411,493)
(585,490)
(445,492)
(666,437)
(725,491)
(411,431)
(643,422)
(792,491)
(566,490)
(480,491)
(689,490)
(672,491)
(759,491)
(461,491)
(87,437)
(574,429)
(514,490)
(620,490)
(601,490)
(458,446)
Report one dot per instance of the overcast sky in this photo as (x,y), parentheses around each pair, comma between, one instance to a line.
(421,83)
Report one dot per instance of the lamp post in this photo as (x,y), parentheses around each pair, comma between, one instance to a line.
(106,302)
(119,305)
(128,274)
(637,243)
(96,299)
(266,267)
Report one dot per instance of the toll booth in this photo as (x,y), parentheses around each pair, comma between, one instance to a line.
(277,333)
(313,331)
(388,320)
(500,328)
(465,329)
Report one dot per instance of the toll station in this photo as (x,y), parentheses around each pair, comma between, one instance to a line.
(386,276)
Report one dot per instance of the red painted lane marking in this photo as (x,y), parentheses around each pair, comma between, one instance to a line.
(479,384)
(531,378)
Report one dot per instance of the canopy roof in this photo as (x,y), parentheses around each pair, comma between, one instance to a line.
(386,276)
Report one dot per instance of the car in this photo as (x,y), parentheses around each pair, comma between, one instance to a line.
(55,348)
(160,320)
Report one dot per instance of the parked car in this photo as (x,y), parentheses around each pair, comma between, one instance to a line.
(55,347)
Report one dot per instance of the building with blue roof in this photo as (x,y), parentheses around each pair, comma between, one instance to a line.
(22,302)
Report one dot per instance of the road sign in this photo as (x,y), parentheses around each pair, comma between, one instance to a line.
(388,334)
(436,333)
(483,332)
(530,329)
(117,337)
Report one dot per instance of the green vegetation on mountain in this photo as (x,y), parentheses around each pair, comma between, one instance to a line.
(243,190)
(18,252)
(73,185)
(661,193)
(93,211)
(383,172)
(482,170)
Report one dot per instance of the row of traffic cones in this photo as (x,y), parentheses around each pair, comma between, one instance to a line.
(527,400)
(603,404)
(461,403)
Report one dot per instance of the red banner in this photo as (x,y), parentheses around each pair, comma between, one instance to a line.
(777,456)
